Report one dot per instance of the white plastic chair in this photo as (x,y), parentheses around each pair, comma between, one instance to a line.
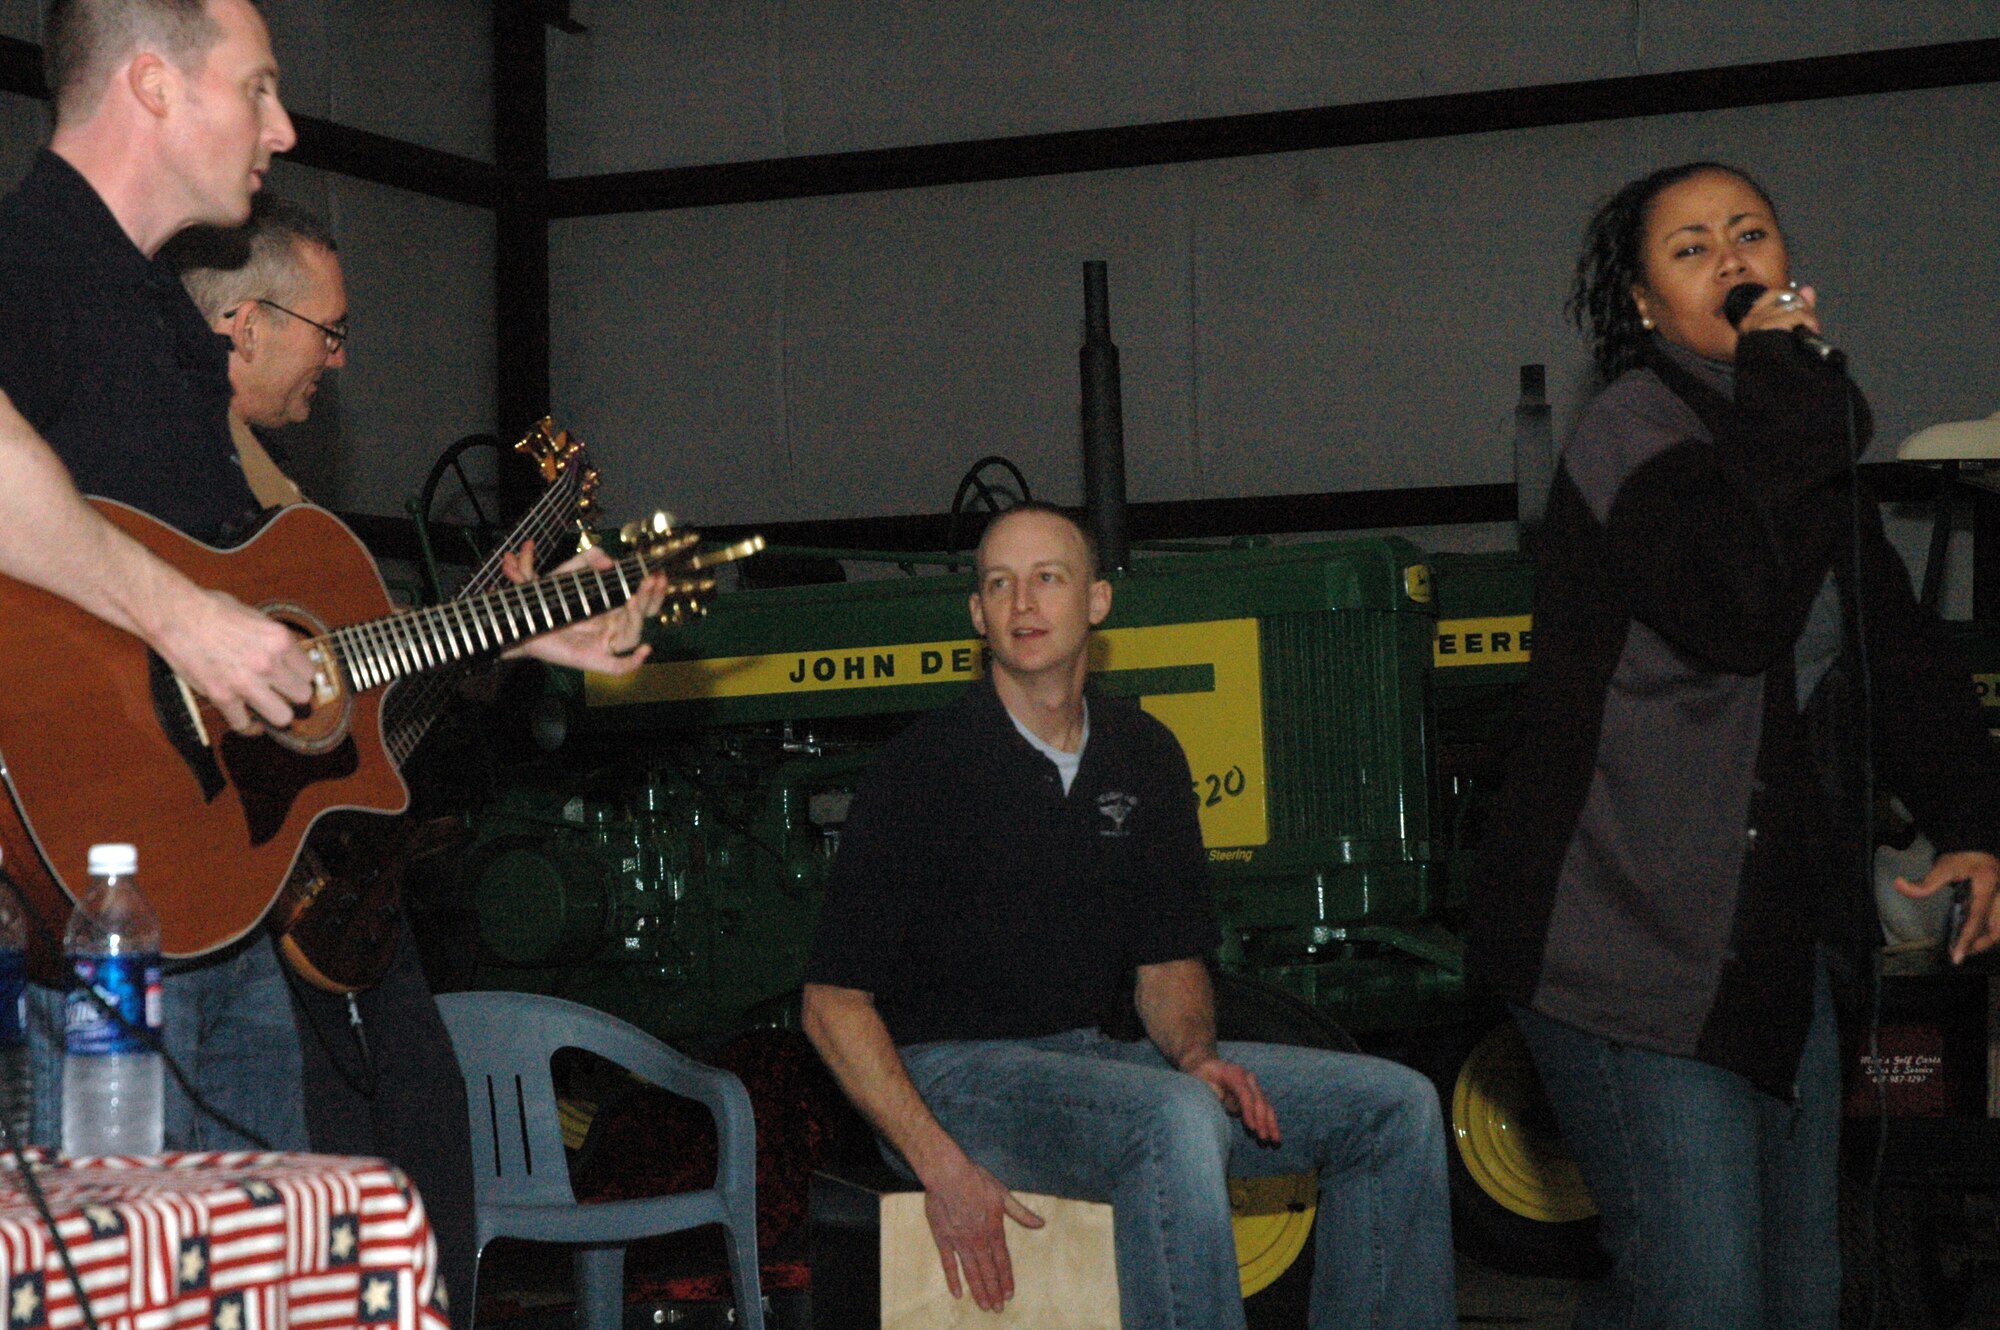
(521,1177)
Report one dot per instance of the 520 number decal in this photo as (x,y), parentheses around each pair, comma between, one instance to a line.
(1225,786)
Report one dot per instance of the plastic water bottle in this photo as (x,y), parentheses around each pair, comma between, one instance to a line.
(17,1090)
(111,1075)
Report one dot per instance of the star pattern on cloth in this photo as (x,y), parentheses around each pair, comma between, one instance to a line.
(260,1192)
(192,1264)
(104,1221)
(378,1297)
(343,1240)
(24,1301)
(228,1313)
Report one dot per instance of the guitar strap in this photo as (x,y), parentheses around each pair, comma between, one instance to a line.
(273,488)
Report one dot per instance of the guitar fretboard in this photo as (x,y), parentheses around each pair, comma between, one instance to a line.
(381,651)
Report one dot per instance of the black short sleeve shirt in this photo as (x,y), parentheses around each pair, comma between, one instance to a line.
(105,354)
(975,900)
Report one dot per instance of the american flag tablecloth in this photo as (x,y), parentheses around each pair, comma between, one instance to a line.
(229,1241)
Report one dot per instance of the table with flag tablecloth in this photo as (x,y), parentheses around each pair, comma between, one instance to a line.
(230,1241)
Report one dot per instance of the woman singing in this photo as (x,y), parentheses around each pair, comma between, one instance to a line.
(1723,640)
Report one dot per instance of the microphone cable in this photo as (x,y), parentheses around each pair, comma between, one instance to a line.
(26,1168)
(1871,1195)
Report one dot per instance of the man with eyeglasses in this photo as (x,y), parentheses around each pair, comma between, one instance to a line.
(274,288)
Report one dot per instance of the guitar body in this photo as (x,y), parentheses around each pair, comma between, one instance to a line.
(340,915)
(98,745)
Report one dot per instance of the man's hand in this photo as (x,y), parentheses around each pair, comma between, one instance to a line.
(1240,1094)
(1982,871)
(607,644)
(1176,1004)
(248,665)
(967,1208)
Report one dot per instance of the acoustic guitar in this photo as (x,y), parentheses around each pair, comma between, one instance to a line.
(338,917)
(101,741)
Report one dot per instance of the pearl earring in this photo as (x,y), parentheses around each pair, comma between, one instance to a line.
(1645,323)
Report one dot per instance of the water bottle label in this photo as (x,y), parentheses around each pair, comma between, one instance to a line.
(129,983)
(13,998)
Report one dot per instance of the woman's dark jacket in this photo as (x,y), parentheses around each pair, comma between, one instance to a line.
(1677,830)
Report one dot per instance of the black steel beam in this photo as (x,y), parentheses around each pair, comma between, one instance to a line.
(21,69)
(1189,519)
(446,175)
(1180,519)
(1909,69)
(385,161)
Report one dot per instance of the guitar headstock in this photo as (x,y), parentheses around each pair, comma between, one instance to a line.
(549,448)
(554,452)
(658,544)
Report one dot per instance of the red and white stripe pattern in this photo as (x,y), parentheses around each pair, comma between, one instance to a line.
(230,1241)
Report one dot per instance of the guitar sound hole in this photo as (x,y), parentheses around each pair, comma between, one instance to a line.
(321,726)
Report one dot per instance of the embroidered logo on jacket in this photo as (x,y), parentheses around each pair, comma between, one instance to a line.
(1116,807)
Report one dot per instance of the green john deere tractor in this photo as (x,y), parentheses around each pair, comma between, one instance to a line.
(1340,705)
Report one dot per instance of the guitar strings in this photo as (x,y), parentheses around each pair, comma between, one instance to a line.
(381,651)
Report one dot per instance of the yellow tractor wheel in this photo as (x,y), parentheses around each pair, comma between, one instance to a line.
(1506,1134)
(1519,1202)
(1273,1218)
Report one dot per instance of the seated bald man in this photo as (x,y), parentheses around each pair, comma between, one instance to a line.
(1011,862)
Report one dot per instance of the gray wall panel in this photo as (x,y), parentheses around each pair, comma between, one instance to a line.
(930,330)
(418,70)
(668,358)
(1687,34)
(654,84)
(24,127)
(1316,321)
(421,366)
(306,63)
(867,74)
(710,81)
(1269,55)
(854,356)
(21,18)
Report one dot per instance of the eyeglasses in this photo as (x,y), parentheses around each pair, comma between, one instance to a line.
(335,333)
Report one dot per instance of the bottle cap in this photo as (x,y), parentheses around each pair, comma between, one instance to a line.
(113,860)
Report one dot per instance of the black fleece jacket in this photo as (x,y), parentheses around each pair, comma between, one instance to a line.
(1676,832)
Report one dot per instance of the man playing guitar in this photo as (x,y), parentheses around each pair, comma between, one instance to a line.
(167,115)
(275,289)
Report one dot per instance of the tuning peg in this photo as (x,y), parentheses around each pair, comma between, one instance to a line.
(648,529)
(670,547)
(742,549)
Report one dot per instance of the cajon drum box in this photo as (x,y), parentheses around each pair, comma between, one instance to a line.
(875,1266)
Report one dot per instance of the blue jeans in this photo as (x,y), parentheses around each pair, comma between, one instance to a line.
(1719,1200)
(228,1023)
(1082,1115)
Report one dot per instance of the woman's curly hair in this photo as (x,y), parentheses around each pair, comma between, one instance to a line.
(1613,262)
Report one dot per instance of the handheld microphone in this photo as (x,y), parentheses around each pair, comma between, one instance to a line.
(1743,295)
